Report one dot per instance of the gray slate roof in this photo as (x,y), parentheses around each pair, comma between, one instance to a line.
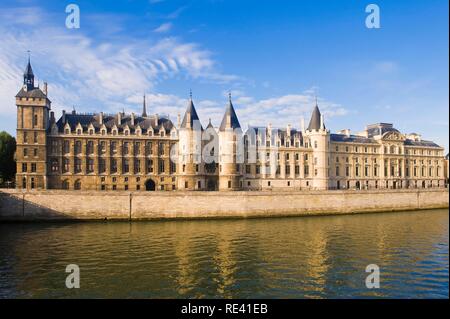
(34,93)
(351,138)
(234,122)
(193,116)
(421,143)
(109,120)
(314,123)
(28,69)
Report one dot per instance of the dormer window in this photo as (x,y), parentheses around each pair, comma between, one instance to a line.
(66,131)
(150,133)
(91,132)
(103,132)
(78,131)
(161,133)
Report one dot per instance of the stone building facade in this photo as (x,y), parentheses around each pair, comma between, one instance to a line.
(148,152)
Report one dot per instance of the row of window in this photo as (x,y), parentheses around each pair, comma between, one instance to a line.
(393,172)
(26,138)
(32,167)
(126,132)
(113,166)
(113,147)
(26,153)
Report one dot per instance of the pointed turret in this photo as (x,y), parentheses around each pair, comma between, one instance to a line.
(230,119)
(316,122)
(210,124)
(28,77)
(190,117)
(144,109)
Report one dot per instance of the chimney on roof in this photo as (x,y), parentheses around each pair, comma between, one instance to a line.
(64,116)
(100,118)
(45,88)
(302,123)
(132,119)
(178,120)
(156,119)
(288,130)
(52,117)
(119,118)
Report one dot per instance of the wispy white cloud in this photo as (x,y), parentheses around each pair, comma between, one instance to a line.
(81,70)
(165,27)
(95,75)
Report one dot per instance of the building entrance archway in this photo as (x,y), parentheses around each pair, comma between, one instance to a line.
(150,185)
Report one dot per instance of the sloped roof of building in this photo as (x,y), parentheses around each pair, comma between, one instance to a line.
(145,123)
(28,69)
(421,143)
(351,139)
(34,93)
(314,123)
(190,110)
(374,131)
(209,124)
(229,112)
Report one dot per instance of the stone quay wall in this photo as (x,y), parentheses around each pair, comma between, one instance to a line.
(16,205)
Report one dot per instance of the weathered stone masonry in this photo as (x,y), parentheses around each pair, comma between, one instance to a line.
(79,205)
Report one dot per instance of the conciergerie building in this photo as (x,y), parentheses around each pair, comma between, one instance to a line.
(144,152)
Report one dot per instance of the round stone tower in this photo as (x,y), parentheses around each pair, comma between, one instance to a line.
(319,138)
(231,151)
(190,166)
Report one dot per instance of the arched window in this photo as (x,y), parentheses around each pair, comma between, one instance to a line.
(65,184)
(77,185)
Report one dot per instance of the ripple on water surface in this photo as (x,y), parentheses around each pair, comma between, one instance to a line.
(312,257)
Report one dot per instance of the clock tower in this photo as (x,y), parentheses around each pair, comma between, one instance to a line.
(33,108)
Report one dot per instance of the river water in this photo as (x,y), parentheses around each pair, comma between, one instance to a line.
(296,257)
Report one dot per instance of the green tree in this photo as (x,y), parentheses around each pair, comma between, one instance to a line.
(7,161)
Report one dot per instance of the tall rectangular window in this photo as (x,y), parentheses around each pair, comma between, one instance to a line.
(90,147)
(113,165)
(66,147)
(101,165)
(66,165)
(137,166)
(90,166)
(126,166)
(77,147)
(77,165)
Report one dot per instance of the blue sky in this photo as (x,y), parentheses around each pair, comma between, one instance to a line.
(274,56)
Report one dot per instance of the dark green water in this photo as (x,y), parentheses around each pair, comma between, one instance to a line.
(309,257)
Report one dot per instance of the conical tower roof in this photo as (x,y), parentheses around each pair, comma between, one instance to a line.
(190,116)
(314,123)
(28,69)
(230,119)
